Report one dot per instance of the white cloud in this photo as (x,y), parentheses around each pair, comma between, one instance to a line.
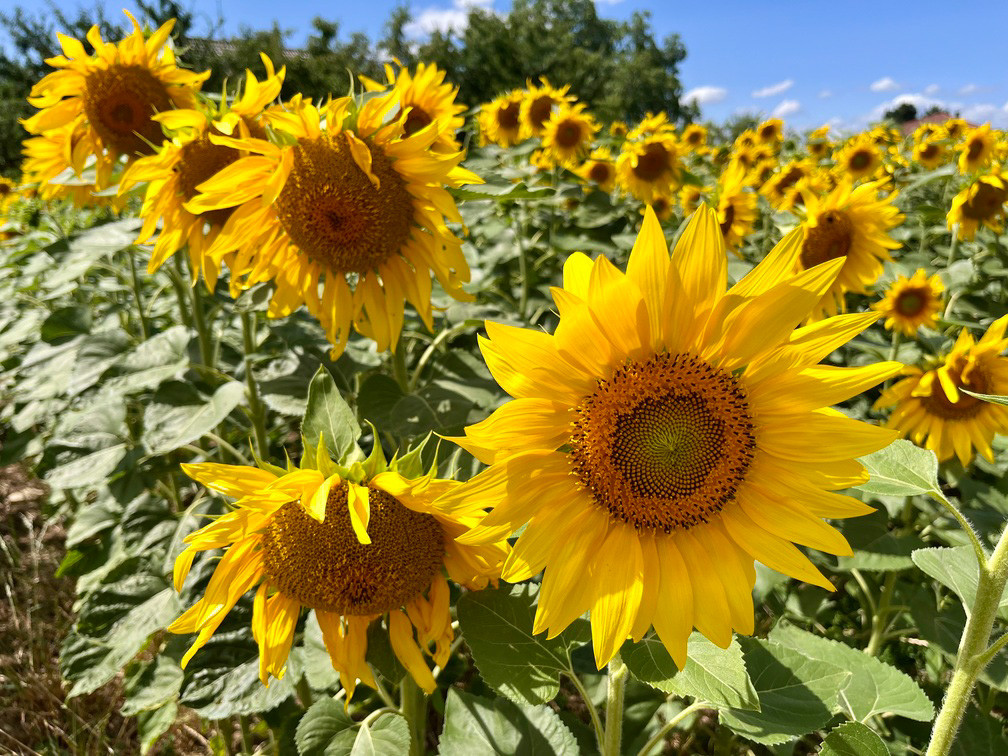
(931,89)
(786,108)
(968,89)
(984,112)
(705,95)
(452,19)
(920,101)
(774,89)
(825,94)
(885,84)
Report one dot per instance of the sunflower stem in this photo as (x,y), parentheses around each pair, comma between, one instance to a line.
(952,246)
(246,737)
(137,294)
(257,412)
(615,688)
(592,711)
(897,339)
(974,653)
(203,333)
(659,736)
(519,230)
(413,705)
(881,616)
(304,693)
(399,366)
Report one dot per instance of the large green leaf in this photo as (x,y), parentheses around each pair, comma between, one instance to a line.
(873,688)
(875,547)
(88,471)
(474,725)
(797,694)
(327,414)
(324,720)
(497,625)
(714,675)
(172,421)
(853,739)
(151,684)
(956,568)
(901,469)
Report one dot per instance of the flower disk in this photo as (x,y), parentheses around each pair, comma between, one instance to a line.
(119,102)
(663,444)
(335,214)
(324,566)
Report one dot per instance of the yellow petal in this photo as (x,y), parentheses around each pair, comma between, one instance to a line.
(648,269)
(618,582)
(360,511)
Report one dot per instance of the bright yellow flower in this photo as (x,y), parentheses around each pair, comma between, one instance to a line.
(859,158)
(345,194)
(538,105)
(650,125)
(352,548)
(910,303)
(737,208)
(618,129)
(931,409)
(818,144)
(668,434)
(427,98)
(694,137)
(980,204)
(690,197)
(930,153)
(770,131)
(852,224)
(599,169)
(648,166)
(568,134)
(109,99)
(500,120)
(186,160)
(784,188)
(976,149)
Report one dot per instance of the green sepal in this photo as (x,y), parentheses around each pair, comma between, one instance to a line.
(375,462)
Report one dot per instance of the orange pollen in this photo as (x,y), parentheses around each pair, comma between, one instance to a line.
(968,407)
(829,239)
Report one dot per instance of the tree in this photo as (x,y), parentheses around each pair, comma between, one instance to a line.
(902,113)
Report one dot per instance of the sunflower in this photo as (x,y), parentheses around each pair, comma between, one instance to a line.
(690,197)
(694,137)
(8,194)
(599,169)
(666,436)
(956,127)
(859,158)
(542,161)
(500,120)
(354,544)
(647,166)
(344,193)
(748,139)
(425,97)
(976,149)
(929,153)
(568,134)
(818,143)
(109,99)
(186,160)
(980,204)
(736,208)
(618,129)
(783,189)
(933,412)
(663,206)
(538,105)
(771,131)
(928,131)
(652,124)
(851,224)
(910,303)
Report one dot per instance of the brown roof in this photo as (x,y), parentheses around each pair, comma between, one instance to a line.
(909,127)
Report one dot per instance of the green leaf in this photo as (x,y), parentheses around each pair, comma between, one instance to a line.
(88,471)
(474,725)
(853,739)
(979,734)
(875,547)
(992,398)
(151,725)
(873,688)
(901,469)
(499,192)
(956,568)
(318,666)
(238,691)
(151,684)
(497,625)
(66,323)
(388,735)
(170,425)
(323,721)
(797,695)
(328,414)
(715,675)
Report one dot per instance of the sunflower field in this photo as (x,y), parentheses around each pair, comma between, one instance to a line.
(384,424)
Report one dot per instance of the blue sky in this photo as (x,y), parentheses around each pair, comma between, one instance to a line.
(808,62)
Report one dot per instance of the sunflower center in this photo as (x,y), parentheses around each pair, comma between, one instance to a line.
(911,302)
(860,160)
(665,443)
(827,240)
(694,138)
(5,189)
(985,203)
(119,102)
(729,218)
(198,161)
(540,110)
(768,132)
(324,566)
(653,163)
(929,152)
(599,173)
(416,119)
(937,403)
(789,179)
(974,149)
(568,134)
(335,215)
(507,116)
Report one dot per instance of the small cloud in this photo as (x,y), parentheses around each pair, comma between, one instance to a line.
(774,89)
(968,89)
(931,89)
(445,20)
(705,95)
(984,112)
(786,108)
(885,84)
(825,94)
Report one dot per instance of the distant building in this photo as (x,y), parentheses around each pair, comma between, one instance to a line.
(909,127)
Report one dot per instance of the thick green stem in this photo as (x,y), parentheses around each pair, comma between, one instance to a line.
(952,246)
(973,651)
(257,411)
(615,688)
(200,323)
(246,737)
(659,736)
(138,295)
(880,620)
(413,705)
(399,366)
(897,337)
